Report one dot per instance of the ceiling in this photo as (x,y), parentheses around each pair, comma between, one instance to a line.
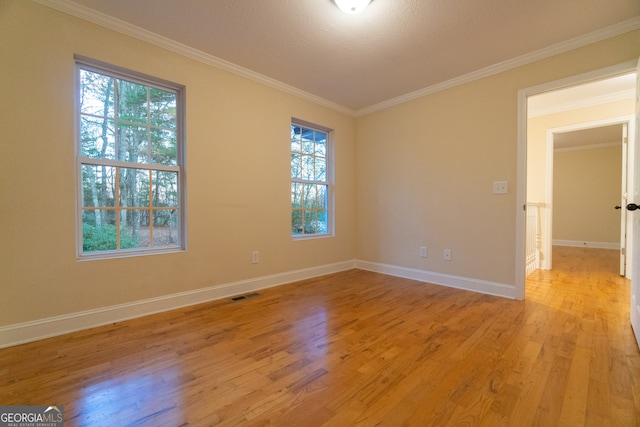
(597,136)
(393,48)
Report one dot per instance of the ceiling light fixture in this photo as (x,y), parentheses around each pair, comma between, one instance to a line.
(352,6)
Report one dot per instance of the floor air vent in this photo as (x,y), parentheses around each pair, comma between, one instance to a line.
(243,297)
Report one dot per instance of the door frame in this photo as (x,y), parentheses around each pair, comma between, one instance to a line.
(547,237)
(521,178)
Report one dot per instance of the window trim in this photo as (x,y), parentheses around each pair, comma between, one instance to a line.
(329,181)
(92,65)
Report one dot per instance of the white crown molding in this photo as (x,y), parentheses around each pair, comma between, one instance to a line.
(588,146)
(575,43)
(134,31)
(582,103)
(123,27)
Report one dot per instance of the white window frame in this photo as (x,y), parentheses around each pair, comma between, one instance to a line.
(88,64)
(328,182)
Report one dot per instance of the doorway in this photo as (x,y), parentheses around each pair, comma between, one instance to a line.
(586,172)
(571,123)
(554,105)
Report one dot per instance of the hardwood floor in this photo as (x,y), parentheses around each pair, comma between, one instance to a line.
(355,348)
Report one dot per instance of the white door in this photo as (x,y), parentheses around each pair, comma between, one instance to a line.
(623,201)
(634,155)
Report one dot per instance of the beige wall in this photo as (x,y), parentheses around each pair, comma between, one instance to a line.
(238,191)
(426,167)
(415,174)
(537,137)
(586,187)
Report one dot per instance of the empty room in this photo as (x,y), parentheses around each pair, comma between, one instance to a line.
(313,212)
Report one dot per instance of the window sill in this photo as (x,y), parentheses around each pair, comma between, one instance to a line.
(98,256)
(311,237)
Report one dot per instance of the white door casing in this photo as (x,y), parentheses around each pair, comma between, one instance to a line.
(521,184)
(634,191)
(547,237)
(623,200)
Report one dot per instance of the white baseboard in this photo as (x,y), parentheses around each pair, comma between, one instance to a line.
(44,328)
(458,282)
(583,244)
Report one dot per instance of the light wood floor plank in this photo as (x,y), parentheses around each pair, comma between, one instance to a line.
(355,348)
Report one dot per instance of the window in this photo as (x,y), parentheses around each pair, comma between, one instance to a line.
(310,180)
(130,162)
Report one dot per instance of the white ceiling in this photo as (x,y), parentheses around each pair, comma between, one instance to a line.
(393,48)
(597,136)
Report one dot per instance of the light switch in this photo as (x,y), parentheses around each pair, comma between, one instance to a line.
(500,187)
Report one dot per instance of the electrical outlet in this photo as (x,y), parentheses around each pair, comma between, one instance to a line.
(500,187)
(423,251)
(255,257)
(446,254)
